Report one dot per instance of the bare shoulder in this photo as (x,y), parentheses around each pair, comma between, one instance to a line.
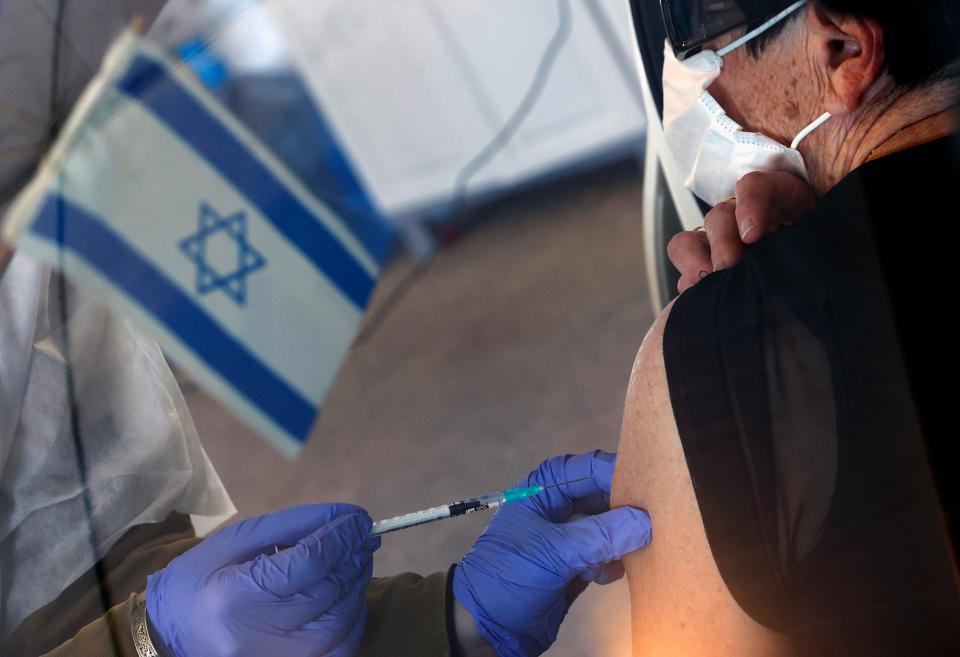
(680,604)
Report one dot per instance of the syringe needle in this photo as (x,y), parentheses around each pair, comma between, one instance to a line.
(488,501)
(564,483)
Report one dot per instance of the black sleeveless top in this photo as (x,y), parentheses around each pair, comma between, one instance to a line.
(811,389)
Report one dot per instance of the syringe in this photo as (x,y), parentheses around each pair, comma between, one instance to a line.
(479,503)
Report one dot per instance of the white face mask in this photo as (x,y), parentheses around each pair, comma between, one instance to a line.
(712,150)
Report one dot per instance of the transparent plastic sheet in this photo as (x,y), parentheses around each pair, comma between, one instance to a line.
(141,458)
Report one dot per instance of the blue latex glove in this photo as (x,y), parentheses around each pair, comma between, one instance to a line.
(522,574)
(233,595)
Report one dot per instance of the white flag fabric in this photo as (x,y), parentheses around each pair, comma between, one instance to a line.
(158,198)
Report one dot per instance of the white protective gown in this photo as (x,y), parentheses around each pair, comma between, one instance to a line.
(142,454)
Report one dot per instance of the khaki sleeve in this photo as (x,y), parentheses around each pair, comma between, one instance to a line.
(108,636)
(407,614)
(407,617)
(75,625)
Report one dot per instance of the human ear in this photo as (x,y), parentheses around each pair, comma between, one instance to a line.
(848,52)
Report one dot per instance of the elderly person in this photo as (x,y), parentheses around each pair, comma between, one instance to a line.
(777,424)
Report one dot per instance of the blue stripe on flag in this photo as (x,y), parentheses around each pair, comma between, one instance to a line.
(125,268)
(150,84)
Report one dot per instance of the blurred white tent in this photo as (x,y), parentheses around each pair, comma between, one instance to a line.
(417,87)
(414,89)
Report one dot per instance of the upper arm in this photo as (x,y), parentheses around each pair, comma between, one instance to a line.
(680,604)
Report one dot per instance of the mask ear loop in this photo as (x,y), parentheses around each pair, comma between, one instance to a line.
(730,47)
(761,29)
(819,121)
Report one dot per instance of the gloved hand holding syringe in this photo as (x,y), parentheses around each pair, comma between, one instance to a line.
(479,503)
(294,581)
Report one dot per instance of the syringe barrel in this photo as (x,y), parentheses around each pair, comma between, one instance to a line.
(479,503)
(410,520)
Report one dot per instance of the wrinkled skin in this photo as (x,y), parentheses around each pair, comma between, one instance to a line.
(764,201)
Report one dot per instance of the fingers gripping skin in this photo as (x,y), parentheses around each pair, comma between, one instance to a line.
(679,602)
(600,539)
(764,201)
(515,583)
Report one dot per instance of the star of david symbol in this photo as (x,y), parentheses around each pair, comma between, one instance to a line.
(222,254)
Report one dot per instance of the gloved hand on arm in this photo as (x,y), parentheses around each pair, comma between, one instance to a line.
(235,595)
(521,576)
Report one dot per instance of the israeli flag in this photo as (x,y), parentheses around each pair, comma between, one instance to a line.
(158,198)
